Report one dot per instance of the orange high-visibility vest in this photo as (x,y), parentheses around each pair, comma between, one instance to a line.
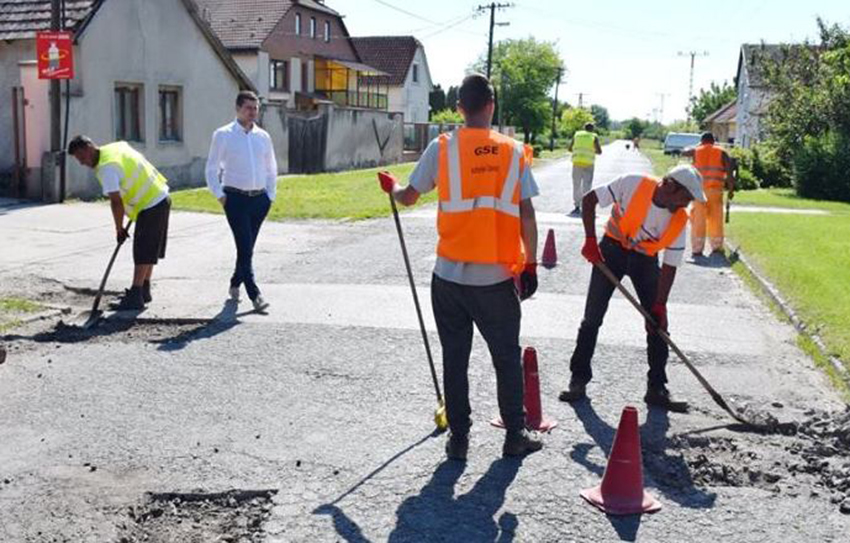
(624,225)
(478,181)
(708,159)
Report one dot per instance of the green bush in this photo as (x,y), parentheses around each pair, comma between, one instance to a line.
(822,167)
(538,148)
(746,178)
(768,168)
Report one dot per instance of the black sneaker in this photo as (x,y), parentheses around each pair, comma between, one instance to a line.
(659,396)
(132,300)
(146,292)
(457,446)
(520,443)
(576,392)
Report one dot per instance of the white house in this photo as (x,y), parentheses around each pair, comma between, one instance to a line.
(164,83)
(409,79)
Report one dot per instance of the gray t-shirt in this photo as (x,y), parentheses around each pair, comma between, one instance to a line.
(424,179)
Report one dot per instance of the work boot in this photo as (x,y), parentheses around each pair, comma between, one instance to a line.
(576,212)
(576,391)
(520,443)
(146,292)
(659,396)
(132,300)
(457,446)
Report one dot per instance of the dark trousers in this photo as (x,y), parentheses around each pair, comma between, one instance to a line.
(643,271)
(245,215)
(495,311)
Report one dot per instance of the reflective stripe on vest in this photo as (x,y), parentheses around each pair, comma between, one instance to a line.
(584,150)
(141,182)
(624,226)
(479,188)
(708,159)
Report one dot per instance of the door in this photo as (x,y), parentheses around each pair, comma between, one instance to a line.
(307,140)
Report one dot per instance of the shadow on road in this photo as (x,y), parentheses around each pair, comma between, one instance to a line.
(227,318)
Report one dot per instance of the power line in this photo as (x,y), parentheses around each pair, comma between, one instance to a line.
(492,7)
(410,13)
(449,27)
(693,55)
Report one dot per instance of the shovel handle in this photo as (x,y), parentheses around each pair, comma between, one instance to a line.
(108,270)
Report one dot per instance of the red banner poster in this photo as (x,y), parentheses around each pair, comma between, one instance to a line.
(55,51)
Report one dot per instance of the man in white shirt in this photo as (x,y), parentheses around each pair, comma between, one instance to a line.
(242,173)
(648,217)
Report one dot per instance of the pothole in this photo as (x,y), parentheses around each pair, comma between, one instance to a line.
(235,516)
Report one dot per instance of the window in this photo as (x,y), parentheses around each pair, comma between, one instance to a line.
(128,112)
(313,27)
(305,72)
(297,24)
(327,31)
(170,114)
(279,75)
(416,73)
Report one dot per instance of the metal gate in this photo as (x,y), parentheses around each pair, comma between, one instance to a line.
(19,121)
(307,141)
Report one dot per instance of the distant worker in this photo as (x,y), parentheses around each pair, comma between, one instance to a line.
(648,216)
(584,147)
(487,235)
(717,170)
(136,189)
(636,143)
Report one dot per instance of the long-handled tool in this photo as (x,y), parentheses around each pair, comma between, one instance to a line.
(90,318)
(718,399)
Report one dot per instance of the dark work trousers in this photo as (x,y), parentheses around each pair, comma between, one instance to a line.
(643,270)
(245,215)
(495,311)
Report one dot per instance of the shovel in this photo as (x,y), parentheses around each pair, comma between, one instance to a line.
(718,399)
(87,319)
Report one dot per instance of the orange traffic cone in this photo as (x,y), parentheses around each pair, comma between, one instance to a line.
(621,491)
(550,254)
(534,418)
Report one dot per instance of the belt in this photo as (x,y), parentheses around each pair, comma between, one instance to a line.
(250,193)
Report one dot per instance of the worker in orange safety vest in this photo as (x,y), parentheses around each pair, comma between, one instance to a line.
(716,168)
(649,216)
(487,236)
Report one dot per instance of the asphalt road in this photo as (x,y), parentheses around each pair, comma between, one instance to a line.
(327,400)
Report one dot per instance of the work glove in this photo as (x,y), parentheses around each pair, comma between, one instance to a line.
(590,251)
(528,281)
(659,314)
(388,181)
(121,235)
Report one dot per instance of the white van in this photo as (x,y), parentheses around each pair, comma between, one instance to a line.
(676,142)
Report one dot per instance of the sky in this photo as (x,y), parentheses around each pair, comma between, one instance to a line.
(630,57)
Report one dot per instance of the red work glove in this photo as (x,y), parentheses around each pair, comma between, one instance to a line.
(528,281)
(388,181)
(590,251)
(659,313)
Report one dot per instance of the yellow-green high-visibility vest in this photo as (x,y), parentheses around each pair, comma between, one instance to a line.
(141,183)
(584,150)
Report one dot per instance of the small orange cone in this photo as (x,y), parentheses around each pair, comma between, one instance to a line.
(534,418)
(550,254)
(621,491)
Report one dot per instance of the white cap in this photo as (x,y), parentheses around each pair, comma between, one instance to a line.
(690,178)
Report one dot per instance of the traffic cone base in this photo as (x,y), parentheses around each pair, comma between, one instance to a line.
(544,425)
(614,506)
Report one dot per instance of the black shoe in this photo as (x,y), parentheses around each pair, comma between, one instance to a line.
(146,292)
(659,396)
(457,446)
(576,392)
(520,443)
(576,212)
(131,301)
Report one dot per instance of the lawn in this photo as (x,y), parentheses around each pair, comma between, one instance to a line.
(13,309)
(346,195)
(774,197)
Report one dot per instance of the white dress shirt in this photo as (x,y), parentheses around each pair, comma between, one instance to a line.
(241,159)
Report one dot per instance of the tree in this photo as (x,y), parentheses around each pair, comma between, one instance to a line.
(574,119)
(447,116)
(451,98)
(437,99)
(524,71)
(634,127)
(600,114)
(710,100)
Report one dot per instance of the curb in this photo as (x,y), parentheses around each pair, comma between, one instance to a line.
(773,293)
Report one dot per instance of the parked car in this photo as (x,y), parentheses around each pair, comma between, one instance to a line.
(676,142)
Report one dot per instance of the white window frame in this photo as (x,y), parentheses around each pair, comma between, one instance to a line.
(415,73)
(297,24)
(327,31)
(122,130)
(176,113)
(313,28)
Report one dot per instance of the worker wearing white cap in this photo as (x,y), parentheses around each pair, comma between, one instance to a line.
(648,217)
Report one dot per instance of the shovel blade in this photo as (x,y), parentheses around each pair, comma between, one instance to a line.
(86,319)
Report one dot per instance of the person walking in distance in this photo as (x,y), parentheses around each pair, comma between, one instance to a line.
(487,235)
(584,147)
(242,174)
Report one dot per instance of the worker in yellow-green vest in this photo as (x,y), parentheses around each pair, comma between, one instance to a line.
(584,147)
(136,189)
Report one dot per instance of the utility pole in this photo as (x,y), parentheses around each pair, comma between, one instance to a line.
(493,6)
(555,111)
(693,55)
(56,111)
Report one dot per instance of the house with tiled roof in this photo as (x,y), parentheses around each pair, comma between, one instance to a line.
(150,72)
(408,78)
(722,123)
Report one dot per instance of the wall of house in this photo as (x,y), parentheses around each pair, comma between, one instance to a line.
(416,94)
(11,53)
(282,41)
(752,103)
(134,42)
(255,64)
(351,138)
